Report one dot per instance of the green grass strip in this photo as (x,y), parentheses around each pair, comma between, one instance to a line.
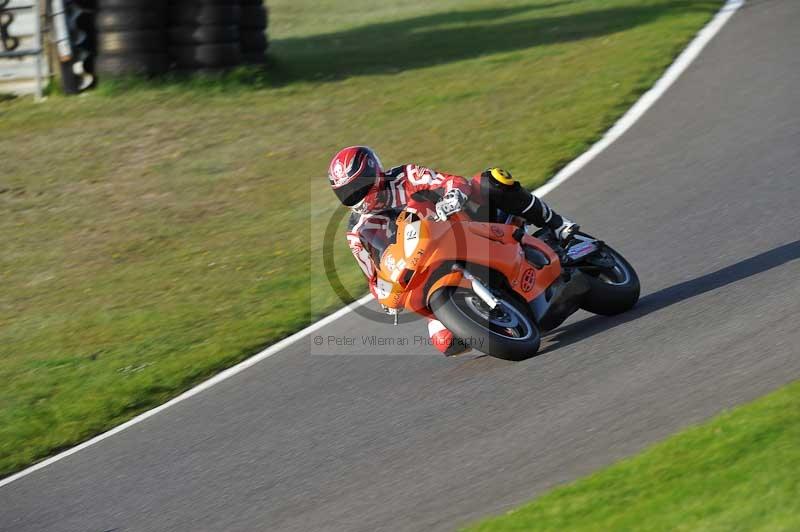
(740,471)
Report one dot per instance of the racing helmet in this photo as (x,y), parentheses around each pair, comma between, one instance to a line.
(357,178)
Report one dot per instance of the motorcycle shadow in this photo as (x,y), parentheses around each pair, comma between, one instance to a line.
(586,328)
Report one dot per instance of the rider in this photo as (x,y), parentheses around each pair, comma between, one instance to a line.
(376,197)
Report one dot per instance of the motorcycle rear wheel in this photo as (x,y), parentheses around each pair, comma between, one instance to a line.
(508,332)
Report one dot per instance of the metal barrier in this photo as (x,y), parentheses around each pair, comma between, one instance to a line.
(9,44)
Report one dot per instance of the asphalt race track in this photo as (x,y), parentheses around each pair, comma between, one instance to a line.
(701,195)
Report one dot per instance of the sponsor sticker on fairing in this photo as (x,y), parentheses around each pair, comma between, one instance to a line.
(411,238)
(581,250)
(528,280)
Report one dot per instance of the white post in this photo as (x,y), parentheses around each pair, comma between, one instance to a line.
(40,48)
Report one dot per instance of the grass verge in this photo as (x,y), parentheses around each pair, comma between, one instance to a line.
(153,235)
(736,472)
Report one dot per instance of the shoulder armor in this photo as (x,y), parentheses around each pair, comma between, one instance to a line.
(396,171)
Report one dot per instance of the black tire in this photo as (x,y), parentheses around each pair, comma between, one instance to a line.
(201,71)
(254,17)
(139,64)
(191,3)
(130,4)
(203,34)
(130,19)
(121,42)
(253,41)
(460,310)
(207,55)
(200,15)
(253,58)
(613,290)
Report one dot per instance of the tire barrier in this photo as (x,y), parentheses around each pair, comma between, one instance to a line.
(151,37)
(253,26)
(132,64)
(180,35)
(131,41)
(207,56)
(204,35)
(126,19)
(131,38)
(194,14)
(128,4)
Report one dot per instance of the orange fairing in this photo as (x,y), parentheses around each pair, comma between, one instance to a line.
(424,246)
(450,279)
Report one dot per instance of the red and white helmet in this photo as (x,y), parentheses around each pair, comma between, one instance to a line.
(357,178)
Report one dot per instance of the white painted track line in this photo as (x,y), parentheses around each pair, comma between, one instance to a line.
(216,379)
(622,125)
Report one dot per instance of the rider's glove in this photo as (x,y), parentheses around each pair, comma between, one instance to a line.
(451,203)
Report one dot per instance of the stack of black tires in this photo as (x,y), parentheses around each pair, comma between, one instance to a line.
(253,27)
(131,38)
(204,34)
(152,37)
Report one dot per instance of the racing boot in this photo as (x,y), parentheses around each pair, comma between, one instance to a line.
(443,340)
(565,230)
(502,192)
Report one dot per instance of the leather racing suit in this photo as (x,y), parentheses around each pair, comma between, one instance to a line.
(415,187)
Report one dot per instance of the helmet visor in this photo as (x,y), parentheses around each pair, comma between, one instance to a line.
(355,191)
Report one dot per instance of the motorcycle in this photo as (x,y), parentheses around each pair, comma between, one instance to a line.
(496,287)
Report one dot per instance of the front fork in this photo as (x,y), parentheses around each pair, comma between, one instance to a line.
(478,287)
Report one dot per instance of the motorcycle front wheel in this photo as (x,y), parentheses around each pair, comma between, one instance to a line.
(508,331)
(614,286)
